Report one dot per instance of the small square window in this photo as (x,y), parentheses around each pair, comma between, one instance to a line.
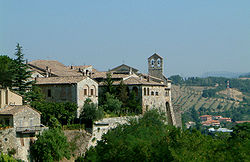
(156,93)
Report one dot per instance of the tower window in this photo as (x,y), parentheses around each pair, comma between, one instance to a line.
(152,93)
(152,62)
(145,92)
(158,62)
(156,93)
(148,91)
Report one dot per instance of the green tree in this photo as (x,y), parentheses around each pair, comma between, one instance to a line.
(52,145)
(112,104)
(109,84)
(21,80)
(65,113)
(90,113)
(140,140)
(34,94)
(122,93)
(6,71)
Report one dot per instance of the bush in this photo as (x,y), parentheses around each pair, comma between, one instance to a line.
(52,145)
(90,113)
(73,127)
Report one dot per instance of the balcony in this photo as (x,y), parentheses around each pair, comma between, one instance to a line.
(31,129)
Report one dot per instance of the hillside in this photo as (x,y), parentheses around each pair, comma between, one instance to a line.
(185,97)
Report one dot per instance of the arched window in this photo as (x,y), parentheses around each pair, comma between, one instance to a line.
(145,92)
(152,63)
(158,62)
(92,90)
(152,93)
(86,90)
(148,91)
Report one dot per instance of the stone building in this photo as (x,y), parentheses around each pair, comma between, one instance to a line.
(8,97)
(74,89)
(19,125)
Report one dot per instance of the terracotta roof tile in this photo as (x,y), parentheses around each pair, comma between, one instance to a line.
(56,67)
(60,80)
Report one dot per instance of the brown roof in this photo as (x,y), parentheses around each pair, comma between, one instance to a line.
(104,75)
(206,116)
(60,80)
(56,67)
(136,81)
(14,109)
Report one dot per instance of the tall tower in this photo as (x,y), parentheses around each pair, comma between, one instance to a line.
(155,66)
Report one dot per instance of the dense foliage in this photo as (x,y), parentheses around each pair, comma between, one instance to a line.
(118,100)
(149,139)
(65,113)
(52,145)
(6,71)
(90,113)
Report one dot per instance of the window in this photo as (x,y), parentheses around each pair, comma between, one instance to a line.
(152,93)
(92,92)
(158,62)
(156,93)
(49,92)
(148,91)
(85,92)
(152,63)
(145,92)
(7,122)
(167,93)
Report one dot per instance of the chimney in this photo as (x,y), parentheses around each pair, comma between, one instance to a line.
(130,71)
(47,71)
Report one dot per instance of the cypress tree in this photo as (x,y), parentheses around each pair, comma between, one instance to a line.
(21,82)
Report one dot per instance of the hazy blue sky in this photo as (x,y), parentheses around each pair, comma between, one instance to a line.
(193,36)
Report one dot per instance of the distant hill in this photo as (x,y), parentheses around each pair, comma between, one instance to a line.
(224,74)
(246,75)
(186,97)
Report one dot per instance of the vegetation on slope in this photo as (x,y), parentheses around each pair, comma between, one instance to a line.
(149,139)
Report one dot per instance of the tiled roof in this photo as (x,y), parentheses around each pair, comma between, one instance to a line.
(206,116)
(14,109)
(60,80)
(136,81)
(56,67)
(104,75)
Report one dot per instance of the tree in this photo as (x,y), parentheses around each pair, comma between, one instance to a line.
(34,94)
(122,93)
(112,104)
(90,113)
(52,145)
(21,81)
(6,71)
(109,84)
(65,113)
(139,140)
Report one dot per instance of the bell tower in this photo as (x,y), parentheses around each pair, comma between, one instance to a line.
(155,66)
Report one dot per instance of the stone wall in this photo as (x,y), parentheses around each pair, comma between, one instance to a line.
(9,98)
(21,144)
(102,126)
(27,118)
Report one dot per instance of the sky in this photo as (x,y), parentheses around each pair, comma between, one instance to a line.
(193,36)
